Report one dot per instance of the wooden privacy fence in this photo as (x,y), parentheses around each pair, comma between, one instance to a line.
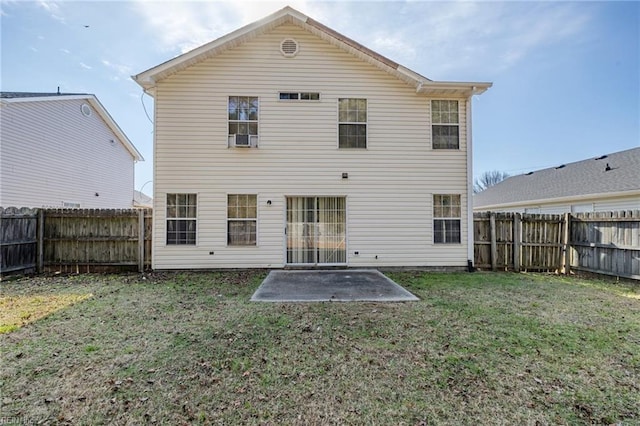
(605,243)
(75,240)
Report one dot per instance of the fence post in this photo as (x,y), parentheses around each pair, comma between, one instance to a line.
(494,245)
(140,240)
(566,230)
(517,236)
(40,244)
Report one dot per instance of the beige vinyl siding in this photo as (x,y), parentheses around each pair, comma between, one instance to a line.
(631,202)
(391,184)
(52,153)
(617,204)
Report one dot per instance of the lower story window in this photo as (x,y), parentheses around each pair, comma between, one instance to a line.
(242,213)
(181,219)
(446,219)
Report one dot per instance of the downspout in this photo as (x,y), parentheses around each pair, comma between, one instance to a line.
(154,205)
(154,211)
(470,248)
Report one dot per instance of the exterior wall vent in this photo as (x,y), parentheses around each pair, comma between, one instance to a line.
(289,47)
(86,110)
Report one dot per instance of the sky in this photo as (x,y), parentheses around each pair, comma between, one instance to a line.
(566,75)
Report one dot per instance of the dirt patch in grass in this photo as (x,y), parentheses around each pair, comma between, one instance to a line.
(180,348)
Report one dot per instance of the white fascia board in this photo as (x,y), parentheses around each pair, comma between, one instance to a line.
(459,88)
(418,78)
(546,201)
(45,98)
(147,79)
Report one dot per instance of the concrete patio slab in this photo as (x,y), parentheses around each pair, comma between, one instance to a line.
(358,285)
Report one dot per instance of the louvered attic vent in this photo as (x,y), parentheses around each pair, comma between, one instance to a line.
(289,47)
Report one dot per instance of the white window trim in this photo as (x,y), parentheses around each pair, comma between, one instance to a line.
(251,137)
(284,226)
(434,218)
(257,220)
(349,122)
(166,219)
(432,123)
(299,93)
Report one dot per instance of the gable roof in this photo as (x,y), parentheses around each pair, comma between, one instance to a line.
(12,97)
(148,79)
(617,173)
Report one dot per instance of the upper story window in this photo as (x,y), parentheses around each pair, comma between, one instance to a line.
(181,219)
(445,124)
(352,123)
(299,96)
(243,120)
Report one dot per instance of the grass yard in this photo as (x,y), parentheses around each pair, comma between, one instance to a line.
(189,348)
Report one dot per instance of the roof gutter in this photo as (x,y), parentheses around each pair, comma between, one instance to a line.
(45,98)
(547,201)
(469,158)
(466,89)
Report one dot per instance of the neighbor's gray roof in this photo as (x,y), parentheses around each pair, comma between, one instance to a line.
(142,199)
(16,95)
(571,180)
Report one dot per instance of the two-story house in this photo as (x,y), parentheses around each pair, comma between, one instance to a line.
(286,144)
(63,150)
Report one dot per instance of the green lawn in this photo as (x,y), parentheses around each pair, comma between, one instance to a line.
(189,348)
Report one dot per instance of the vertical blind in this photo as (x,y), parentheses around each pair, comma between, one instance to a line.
(316,230)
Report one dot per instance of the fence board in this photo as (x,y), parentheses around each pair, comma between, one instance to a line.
(606,243)
(18,240)
(482,239)
(541,242)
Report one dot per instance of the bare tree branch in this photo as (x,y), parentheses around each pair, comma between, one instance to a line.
(488,179)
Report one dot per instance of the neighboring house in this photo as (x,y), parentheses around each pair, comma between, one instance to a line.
(606,183)
(286,144)
(142,200)
(63,150)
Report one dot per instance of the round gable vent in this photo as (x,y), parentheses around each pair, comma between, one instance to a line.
(289,47)
(86,110)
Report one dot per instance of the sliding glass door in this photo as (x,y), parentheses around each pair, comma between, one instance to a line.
(316,230)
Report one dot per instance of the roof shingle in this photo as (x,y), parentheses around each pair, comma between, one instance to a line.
(616,172)
(16,95)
